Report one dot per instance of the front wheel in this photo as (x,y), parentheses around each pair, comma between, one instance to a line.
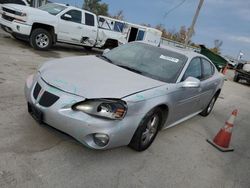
(41,39)
(147,130)
(209,107)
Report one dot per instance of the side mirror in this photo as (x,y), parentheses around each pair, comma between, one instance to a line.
(67,17)
(191,82)
(106,51)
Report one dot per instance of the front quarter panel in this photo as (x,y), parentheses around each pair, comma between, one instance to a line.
(140,104)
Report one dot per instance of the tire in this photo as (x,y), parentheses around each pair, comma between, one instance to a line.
(147,130)
(236,78)
(41,39)
(210,106)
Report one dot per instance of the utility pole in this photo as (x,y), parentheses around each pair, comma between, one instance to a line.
(191,30)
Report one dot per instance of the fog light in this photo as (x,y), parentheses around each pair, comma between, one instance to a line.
(18,27)
(101,139)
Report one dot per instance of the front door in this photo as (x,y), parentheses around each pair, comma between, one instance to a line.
(70,27)
(187,100)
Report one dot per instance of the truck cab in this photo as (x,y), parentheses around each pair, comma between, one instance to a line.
(49,24)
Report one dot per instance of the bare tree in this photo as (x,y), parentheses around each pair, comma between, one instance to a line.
(119,15)
(96,7)
(217,46)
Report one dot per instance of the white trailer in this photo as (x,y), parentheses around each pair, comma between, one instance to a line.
(123,32)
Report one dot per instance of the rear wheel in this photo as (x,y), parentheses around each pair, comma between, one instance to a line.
(210,106)
(147,130)
(41,39)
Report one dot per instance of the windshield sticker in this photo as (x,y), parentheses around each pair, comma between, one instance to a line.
(172,59)
(56,9)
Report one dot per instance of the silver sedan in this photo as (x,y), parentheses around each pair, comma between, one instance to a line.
(125,96)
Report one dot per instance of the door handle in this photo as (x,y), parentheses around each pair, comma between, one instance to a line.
(79,27)
(93,30)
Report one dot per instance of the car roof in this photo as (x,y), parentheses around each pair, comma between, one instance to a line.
(189,53)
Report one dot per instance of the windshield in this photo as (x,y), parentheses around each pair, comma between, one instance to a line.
(52,8)
(150,61)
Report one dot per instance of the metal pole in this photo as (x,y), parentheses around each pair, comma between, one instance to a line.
(190,32)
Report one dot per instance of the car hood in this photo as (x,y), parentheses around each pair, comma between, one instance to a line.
(92,77)
(30,11)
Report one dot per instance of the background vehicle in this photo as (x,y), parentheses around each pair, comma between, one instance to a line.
(53,23)
(126,32)
(125,96)
(19,2)
(242,72)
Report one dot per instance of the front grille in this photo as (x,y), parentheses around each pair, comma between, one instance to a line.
(12,11)
(48,99)
(7,18)
(36,90)
(9,10)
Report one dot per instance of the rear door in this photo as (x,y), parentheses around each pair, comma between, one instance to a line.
(70,27)
(208,83)
(89,33)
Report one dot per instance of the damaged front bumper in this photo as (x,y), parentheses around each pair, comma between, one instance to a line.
(83,127)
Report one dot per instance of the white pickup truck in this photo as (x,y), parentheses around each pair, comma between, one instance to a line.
(54,22)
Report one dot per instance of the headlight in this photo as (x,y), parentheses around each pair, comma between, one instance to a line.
(106,108)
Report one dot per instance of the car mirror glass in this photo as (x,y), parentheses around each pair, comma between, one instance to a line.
(191,82)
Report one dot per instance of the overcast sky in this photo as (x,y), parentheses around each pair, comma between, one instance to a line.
(227,20)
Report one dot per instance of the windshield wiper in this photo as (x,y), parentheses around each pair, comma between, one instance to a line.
(106,58)
(130,68)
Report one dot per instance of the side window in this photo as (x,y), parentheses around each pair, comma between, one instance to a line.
(208,69)
(118,26)
(140,35)
(89,19)
(194,69)
(73,16)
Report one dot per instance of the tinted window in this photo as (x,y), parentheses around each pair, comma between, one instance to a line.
(194,69)
(207,69)
(89,19)
(140,35)
(118,26)
(157,63)
(76,16)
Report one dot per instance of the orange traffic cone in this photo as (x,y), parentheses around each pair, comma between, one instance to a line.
(222,140)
